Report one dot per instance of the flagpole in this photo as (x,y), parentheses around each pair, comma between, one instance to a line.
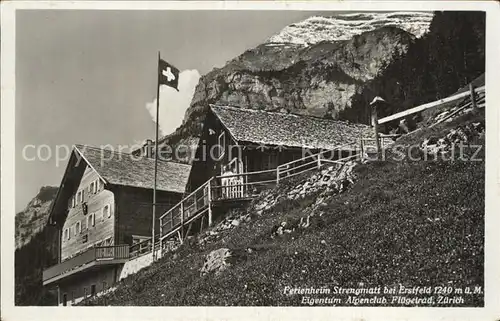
(156,157)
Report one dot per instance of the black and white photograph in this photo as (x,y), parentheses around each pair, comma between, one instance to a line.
(250,155)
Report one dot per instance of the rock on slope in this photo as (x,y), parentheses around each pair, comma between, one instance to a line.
(34,217)
(318,78)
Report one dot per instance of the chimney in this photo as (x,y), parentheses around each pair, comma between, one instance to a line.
(149,148)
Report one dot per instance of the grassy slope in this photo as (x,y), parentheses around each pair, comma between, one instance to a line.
(410,223)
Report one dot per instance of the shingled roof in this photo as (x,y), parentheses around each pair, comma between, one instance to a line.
(289,130)
(125,169)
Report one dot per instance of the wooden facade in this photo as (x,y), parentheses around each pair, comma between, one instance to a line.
(97,220)
(134,208)
(91,217)
(219,154)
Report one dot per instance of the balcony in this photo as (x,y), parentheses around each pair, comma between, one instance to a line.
(90,259)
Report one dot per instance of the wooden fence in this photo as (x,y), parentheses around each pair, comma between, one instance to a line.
(237,186)
(474,102)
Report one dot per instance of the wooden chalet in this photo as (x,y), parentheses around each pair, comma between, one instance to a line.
(243,151)
(102,208)
(236,140)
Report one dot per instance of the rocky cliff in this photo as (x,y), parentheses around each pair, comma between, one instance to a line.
(313,67)
(34,217)
(345,26)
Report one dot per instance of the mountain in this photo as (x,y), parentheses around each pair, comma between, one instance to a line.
(345,26)
(450,56)
(398,222)
(34,217)
(36,248)
(313,67)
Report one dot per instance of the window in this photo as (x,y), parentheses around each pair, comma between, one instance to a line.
(90,220)
(72,201)
(106,212)
(85,238)
(78,228)
(96,186)
(92,290)
(66,234)
(221,145)
(80,196)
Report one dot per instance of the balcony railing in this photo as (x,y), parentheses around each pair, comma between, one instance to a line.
(99,253)
(143,247)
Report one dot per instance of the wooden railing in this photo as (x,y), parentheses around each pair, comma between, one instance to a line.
(98,253)
(312,162)
(196,202)
(239,186)
(143,247)
(474,102)
(369,145)
(436,103)
(242,185)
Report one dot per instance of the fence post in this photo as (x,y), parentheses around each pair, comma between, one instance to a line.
(161,229)
(277,175)
(362,149)
(319,160)
(209,203)
(472,96)
(182,219)
(375,126)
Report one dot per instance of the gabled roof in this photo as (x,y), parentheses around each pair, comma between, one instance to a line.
(125,169)
(117,168)
(289,130)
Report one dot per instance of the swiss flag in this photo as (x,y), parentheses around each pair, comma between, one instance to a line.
(168,74)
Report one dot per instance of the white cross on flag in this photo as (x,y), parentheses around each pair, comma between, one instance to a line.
(168,74)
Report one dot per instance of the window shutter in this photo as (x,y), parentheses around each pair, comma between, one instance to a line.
(93,219)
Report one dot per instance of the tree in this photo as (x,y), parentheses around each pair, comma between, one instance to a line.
(447,58)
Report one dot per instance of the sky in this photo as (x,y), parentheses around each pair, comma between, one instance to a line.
(89,77)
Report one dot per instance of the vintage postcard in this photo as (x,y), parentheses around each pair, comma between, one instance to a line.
(169,160)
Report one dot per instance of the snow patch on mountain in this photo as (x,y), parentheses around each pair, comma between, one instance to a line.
(344,26)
